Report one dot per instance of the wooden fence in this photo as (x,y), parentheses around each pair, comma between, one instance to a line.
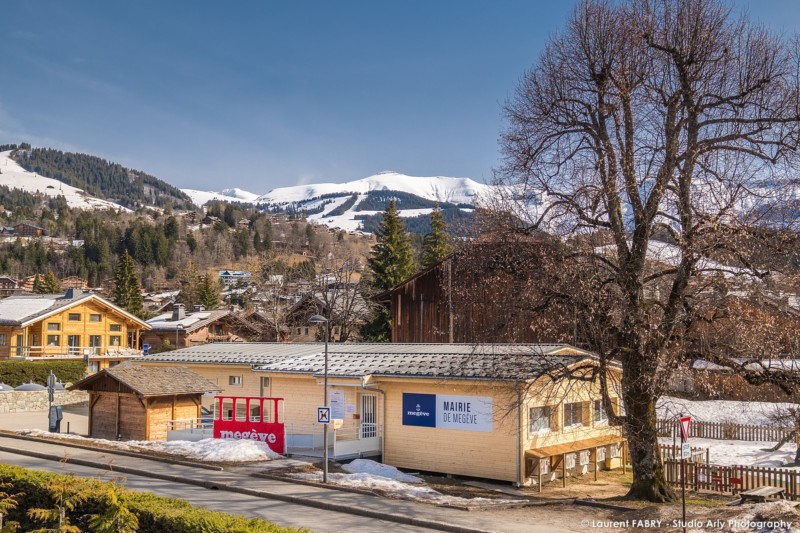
(732,479)
(724,431)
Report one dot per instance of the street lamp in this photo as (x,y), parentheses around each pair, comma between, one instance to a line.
(319,319)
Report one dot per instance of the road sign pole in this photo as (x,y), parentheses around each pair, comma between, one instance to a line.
(685,421)
(683,492)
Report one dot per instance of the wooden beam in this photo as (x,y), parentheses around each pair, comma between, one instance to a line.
(116,433)
(146,419)
(596,466)
(540,473)
(564,470)
(173,407)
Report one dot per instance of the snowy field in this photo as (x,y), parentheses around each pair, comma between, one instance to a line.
(749,413)
(369,475)
(740,452)
(208,450)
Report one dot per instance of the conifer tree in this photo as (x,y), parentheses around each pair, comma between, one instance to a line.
(51,283)
(208,292)
(391,262)
(127,291)
(38,285)
(436,244)
(392,259)
(190,280)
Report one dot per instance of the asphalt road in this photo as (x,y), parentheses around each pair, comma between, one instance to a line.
(286,514)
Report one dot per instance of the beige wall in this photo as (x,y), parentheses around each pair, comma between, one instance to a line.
(451,451)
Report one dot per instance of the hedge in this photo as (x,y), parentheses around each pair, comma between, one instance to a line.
(16,373)
(156,514)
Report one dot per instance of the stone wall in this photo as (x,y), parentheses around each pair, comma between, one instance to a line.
(28,401)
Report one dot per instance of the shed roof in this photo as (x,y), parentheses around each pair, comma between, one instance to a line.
(152,381)
(191,322)
(465,361)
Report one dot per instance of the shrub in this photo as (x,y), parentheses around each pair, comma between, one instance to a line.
(16,373)
(155,514)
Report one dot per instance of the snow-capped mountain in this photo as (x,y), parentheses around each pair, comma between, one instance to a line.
(13,176)
(346,205)
(225,195)
(435,188)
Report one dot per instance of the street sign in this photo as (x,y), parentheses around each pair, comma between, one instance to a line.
(686,451)
(324,415)
(145,349)
(685,428)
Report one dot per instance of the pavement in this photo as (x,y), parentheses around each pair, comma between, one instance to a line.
(314,499)
(77,418)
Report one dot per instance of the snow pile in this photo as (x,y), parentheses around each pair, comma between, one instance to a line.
(15,177)
(770,517)
(748,413)
(210,450)
(366,466)
(397,489)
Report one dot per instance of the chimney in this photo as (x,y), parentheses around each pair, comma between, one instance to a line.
(70,294)
(178,312)
(198,308)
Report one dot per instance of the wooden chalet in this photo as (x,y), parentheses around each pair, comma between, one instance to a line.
(133,402)
(474,297)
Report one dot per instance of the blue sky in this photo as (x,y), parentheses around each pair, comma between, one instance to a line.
(210,95)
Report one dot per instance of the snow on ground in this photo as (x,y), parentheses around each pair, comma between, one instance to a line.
(211,450)
(366,466)
(740,452)
(15,177)
(751,413)
(398,489)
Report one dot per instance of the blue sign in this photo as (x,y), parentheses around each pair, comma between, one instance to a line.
(419,410)
(145,349)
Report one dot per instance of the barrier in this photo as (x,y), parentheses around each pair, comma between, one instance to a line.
(250,418)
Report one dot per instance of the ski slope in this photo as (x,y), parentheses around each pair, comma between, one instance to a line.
(15,177)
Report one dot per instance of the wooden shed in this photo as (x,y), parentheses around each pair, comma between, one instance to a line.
(133,402)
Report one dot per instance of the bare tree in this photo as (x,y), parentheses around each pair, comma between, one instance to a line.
(654,118)
(340,290)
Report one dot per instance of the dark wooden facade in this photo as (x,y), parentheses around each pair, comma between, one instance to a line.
(462,300)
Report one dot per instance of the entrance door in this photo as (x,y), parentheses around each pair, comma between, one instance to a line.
(20,345)
(369,426)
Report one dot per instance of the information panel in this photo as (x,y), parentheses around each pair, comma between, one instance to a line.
(419,410)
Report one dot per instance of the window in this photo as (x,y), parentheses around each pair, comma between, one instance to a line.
(95,318)
(305,332)
(112,363)
(75,317)
(2,339)
(600,416)
(115,327)
(54,340)
(299,330)
(573,415)
(53,326)
(114,340)
(264,386)
(94,366)
(541,420)
(235,380)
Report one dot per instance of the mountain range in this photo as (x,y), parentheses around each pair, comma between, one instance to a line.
(89,182)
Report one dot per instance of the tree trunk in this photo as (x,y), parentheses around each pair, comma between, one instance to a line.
(649,481)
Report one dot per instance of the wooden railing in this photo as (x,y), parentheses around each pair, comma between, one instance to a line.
(724,431)
(732,479)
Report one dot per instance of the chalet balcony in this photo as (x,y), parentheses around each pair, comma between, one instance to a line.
(221,338)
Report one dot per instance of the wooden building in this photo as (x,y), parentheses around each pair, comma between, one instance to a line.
(28,229)
(9,286)
(74,282)
(132,402)
(474,296)
(179,328)
(496,411)
(76,324)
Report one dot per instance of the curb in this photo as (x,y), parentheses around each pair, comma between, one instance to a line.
(601,505)
(70,444)
(367,513)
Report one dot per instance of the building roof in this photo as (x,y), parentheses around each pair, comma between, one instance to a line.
(24,309)
(465,361)
(191,322)
(152,381)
